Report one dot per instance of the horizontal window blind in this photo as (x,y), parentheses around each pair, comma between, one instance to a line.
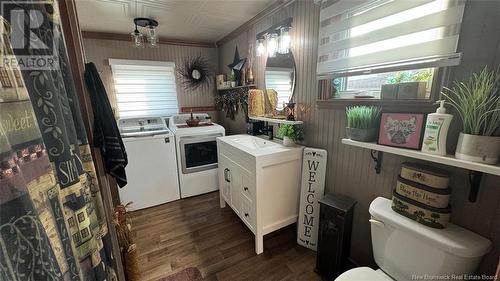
(361,36)
(144,88)
(280,80)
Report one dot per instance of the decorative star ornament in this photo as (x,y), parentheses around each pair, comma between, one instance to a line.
(237,63)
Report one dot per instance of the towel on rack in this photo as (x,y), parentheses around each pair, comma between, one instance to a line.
(106,135)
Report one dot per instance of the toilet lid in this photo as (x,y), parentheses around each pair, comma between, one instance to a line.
(363,274)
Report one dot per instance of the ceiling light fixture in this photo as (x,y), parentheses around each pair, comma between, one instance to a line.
(151,35)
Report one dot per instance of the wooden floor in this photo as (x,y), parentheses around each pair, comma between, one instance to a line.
(196,232)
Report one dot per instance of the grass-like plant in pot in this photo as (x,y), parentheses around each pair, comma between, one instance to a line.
(290,134)
(363,122)
(477,101)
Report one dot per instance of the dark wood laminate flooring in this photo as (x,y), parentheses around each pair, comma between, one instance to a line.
(196,232)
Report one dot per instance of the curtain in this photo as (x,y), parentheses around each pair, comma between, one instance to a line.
(52,223)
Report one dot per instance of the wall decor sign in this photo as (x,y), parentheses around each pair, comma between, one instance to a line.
(312,190)
(401,129)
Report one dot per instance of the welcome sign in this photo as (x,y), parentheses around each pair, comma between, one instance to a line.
(312,190)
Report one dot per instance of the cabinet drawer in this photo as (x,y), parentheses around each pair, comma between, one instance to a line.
(248,187)
(248,213)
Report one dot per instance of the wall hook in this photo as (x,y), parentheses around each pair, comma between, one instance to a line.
(377,159)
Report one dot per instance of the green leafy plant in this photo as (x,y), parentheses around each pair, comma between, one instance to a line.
(423,75)
(294,132)
(477,102)
(363,117)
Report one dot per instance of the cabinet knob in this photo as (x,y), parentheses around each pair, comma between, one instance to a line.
(246,214)
(245,188)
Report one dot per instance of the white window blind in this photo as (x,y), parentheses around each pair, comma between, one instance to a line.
(144,88)
(361,36)
(280,80)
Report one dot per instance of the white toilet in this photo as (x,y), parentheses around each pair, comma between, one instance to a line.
(407,250)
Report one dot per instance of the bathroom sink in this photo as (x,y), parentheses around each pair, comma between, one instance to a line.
(254,145)
(252,142)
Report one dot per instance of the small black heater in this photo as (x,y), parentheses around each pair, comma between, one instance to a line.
(334,235)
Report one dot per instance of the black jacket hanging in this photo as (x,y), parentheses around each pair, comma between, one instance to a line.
(106,134)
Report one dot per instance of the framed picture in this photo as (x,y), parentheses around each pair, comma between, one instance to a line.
(401,129)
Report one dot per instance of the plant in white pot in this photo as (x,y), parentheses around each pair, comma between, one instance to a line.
(477,101)
(363,122)
(290,134)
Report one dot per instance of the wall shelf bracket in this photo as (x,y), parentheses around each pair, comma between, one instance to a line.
(377,159)
(474,181)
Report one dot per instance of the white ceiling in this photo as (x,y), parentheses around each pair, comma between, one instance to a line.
(194,20)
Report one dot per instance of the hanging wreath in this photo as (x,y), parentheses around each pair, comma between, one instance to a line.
(194,73)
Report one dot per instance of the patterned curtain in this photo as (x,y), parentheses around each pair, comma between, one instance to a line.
(52,224)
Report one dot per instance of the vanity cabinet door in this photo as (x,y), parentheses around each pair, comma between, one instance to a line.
(224,181)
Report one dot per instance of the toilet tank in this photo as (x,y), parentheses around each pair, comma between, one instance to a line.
(407,250)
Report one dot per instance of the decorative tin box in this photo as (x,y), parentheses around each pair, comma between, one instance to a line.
(434,197)
(426,215)
(426,175)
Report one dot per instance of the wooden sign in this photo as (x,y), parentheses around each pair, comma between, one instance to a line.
(312,190)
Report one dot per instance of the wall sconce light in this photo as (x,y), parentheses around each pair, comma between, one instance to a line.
(276,39)
(261,49)
(151,35)
(272,44)
(284,40)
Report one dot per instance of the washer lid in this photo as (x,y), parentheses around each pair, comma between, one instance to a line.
(363,274)
(453,239)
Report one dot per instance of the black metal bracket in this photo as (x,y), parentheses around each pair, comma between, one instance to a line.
(474,181)
(377,159)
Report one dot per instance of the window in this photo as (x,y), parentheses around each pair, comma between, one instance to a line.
(144,88)
(85,232)
(5,79)
(81,217)
(19,80)
(281,81)
(71,222)
(365,44)
(76,238)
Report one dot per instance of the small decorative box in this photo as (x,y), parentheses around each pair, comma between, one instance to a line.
(426,175)
(426,215)
(434,197)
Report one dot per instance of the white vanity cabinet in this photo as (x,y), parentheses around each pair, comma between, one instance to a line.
(260,181)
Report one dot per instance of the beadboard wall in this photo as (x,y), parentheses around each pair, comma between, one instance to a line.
(99,51)
(351,170)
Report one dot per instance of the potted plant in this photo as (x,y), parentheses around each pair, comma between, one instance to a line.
(363,122)
(290,134)
(406,85)
(477,101)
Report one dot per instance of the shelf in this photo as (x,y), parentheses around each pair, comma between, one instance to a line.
(277,121)
(237,87)
(449,160)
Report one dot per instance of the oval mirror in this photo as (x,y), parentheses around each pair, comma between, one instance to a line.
(280,79)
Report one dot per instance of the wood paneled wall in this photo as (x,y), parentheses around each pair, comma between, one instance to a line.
(351,170)
(99,51)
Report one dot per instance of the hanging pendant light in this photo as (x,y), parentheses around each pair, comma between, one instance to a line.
(272,44)
(152,37)
(284,40)
(260,47)
(137,38)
